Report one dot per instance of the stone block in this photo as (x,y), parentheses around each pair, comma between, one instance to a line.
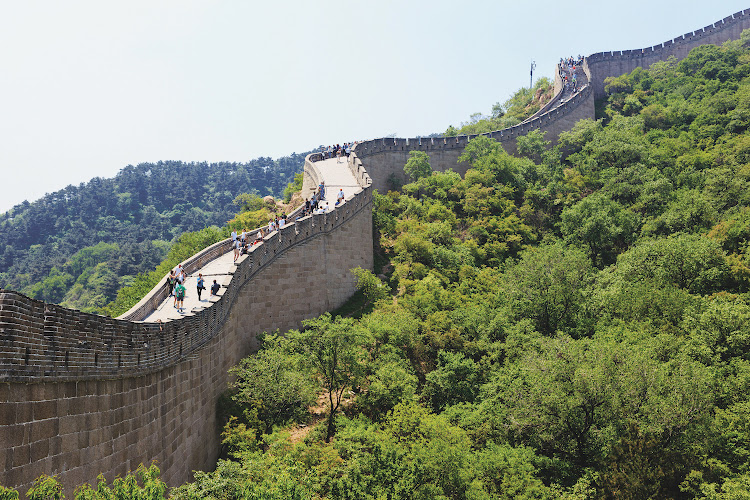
(7,415)
(44,409)
(39,450)
(44,429)
(21,455)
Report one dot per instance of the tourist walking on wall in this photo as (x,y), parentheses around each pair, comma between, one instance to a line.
(171,282)
(179,295)
(200,286)
(236,244)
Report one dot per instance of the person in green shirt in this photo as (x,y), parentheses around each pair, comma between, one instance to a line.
(179,295)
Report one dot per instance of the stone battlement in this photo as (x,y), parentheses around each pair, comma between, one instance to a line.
(615,63)
(555,117)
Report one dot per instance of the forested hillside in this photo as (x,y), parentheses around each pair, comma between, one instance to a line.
(78,246)
(518,107)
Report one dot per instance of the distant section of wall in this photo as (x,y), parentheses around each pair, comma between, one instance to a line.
(386,157)
(82,394)
(603,64)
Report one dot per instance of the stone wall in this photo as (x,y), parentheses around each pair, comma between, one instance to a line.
(82,394)
(386,157)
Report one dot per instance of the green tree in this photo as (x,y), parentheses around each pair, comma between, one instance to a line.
(143,484)
(532,145)
(293,187)
(549,285)
(334,350)
(418,165)
(392,383)
(274,382)
(370,285)
(688,261)
(604,226)
(8,494)
(456,379)
(45,488)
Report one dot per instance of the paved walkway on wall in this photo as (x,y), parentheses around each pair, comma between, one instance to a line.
(335,175)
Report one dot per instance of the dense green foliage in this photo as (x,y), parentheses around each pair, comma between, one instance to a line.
(418,165)
(79,245)
(573,323)
(294,186)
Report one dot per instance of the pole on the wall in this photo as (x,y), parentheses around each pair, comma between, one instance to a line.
(531,73)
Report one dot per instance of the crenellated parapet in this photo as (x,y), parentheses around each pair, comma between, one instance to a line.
(615,63)
(387,156)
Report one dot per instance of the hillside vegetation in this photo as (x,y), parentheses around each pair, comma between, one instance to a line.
(572,323)
(78,246)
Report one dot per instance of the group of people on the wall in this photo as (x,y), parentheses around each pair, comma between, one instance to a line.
(337,151)
(244,241)
(176,282)
(318,204)
(570,71)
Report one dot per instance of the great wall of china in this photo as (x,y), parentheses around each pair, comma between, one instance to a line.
(82,394)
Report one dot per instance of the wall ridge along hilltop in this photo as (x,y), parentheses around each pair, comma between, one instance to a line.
(82,394)
(387,156)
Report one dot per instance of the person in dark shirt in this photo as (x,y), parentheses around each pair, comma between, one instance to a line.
(215,288)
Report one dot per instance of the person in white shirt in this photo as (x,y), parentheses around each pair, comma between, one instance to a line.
(179,273)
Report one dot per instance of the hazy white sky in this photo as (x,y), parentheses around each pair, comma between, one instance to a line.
(88,87)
